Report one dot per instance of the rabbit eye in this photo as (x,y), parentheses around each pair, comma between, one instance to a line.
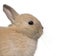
(30,23)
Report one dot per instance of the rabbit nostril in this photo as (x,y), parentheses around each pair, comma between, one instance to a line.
(42,27)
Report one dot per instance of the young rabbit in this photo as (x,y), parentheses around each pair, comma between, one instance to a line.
(19,38)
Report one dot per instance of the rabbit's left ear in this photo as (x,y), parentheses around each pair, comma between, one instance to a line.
(10,12)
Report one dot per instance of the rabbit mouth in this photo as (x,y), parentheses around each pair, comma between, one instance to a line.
(38,34)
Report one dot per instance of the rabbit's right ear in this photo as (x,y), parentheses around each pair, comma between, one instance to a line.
(10,12)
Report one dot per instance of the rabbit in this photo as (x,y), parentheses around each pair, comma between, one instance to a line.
(21,36)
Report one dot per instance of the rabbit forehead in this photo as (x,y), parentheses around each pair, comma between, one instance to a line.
(26,17)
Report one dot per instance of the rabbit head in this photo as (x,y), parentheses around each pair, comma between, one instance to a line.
(24,23)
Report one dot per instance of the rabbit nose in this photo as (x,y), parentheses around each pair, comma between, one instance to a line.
(42,27)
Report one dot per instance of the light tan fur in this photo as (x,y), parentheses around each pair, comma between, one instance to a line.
(19,38)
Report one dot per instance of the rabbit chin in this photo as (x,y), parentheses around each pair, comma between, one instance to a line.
(38,35)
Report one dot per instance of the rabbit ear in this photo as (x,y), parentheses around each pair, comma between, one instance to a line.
(10,12)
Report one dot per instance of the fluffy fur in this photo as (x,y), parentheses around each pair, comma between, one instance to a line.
(19,38)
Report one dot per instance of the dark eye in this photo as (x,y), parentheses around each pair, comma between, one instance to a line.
(30,23)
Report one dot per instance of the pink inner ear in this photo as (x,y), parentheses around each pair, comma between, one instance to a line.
(9,14)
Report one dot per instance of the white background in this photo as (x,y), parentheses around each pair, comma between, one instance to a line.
(48,12)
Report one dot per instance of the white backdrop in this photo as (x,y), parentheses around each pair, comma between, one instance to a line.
(48,12)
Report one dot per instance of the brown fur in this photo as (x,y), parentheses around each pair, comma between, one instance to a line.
(20,38)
